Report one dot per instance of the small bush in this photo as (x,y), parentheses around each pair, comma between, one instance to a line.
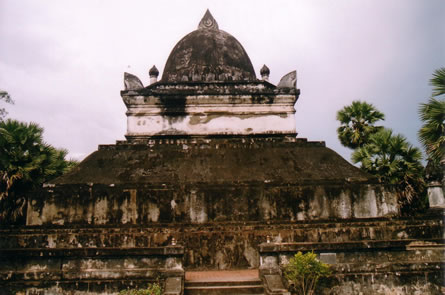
(304,271)
(152,289)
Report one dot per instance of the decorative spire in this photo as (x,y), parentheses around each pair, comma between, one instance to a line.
(265,73)
(153,73)
(208,22)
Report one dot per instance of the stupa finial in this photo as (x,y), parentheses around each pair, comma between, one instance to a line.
(153,73)
(208,22)
(265,72)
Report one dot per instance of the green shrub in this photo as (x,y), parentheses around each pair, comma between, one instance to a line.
(152,289)
(304,271)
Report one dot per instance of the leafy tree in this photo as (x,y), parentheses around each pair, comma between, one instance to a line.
(152,289)
(7,98)
(357,123)
(393,160)
(304,271)
(26,162)
(432,132)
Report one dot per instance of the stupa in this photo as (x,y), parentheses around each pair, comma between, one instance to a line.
(212,176)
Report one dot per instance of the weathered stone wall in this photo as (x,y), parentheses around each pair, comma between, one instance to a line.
(436,195)
(86,270)
(216,160)
(368,267)
(203,179)
(255,107)
(125,204)
(409,252)
(229,244)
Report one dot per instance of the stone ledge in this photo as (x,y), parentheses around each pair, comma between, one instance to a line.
(78,285)
(212,141)
(92,252)
(348,269)
(346,246)
(86,275)
(210,88)
(434,218)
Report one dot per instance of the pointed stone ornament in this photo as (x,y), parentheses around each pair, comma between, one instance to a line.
(132,82)
(208,22)
(289,80)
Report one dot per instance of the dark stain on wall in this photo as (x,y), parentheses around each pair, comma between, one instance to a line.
(173,106)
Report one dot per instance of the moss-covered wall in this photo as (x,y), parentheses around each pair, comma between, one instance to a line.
(368,267)
(109,257)
(127,204)
(87,270)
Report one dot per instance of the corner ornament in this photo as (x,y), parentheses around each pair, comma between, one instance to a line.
(131,82)
(289,80)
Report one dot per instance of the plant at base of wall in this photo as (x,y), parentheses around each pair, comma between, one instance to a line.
(304,271)
(152,289)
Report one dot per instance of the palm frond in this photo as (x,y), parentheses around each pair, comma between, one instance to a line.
(438,82)
(432,132)
(357,123)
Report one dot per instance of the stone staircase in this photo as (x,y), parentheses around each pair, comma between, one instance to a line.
(224,288)
(244,282)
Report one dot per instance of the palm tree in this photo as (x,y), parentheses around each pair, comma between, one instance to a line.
(357,123)
(26,162)
(393,160)
(432,132)
(19,142)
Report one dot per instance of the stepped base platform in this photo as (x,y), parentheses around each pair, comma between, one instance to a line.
(376,256)
(239,282)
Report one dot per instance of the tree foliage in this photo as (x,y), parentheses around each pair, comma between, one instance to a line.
(6,98)
(432,132)
(393,160)
(304,272)
(357,123)
(438,82)
(384,154)
(152,289)
(26,162)
(432,114)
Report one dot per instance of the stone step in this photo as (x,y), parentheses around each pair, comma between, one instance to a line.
(225,282)
(207,283)
(224,290)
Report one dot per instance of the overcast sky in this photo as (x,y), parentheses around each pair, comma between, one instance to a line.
(63,61)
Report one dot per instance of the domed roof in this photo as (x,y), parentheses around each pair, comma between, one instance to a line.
(208,54)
